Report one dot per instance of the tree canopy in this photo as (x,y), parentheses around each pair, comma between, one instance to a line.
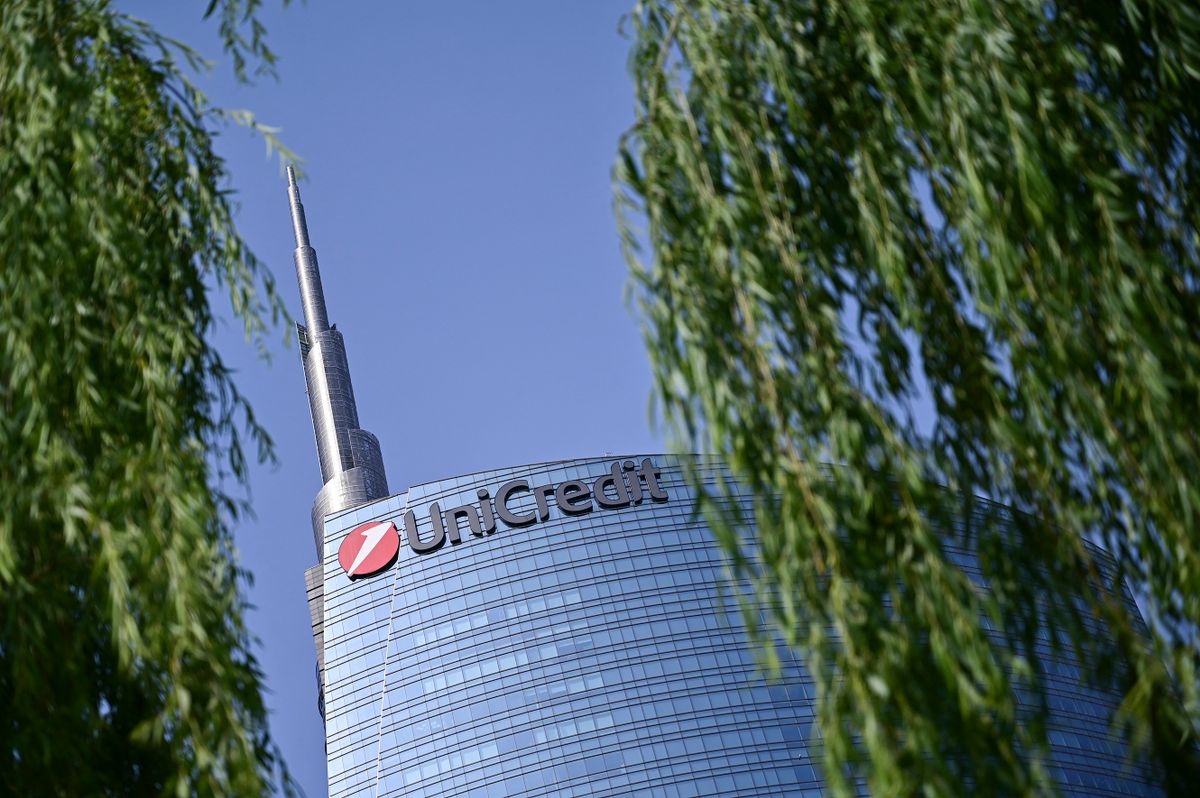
(125,663)
(951,249)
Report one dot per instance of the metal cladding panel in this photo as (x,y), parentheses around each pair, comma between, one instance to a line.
(312,294)
(331,400)
(366,454)
(595,652)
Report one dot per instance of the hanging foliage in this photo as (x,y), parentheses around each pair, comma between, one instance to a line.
(951,249)
(125,664)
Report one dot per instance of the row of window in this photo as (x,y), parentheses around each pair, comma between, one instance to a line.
(677,702)
(593,771)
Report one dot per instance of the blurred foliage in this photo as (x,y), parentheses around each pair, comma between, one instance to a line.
(125,664)
(938,244)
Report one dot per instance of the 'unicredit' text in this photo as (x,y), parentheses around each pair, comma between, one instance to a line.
(625,484)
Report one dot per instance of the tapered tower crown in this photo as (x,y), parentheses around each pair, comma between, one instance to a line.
(351,461)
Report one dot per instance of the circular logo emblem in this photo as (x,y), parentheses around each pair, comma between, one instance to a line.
(369,548)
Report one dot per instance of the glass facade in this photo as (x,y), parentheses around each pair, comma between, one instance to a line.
(583,654)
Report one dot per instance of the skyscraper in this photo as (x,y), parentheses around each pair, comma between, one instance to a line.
(565,628)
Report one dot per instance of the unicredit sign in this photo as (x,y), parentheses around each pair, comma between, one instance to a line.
(626,483)
(369,548)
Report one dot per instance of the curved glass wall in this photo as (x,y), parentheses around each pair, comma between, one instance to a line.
(588,654)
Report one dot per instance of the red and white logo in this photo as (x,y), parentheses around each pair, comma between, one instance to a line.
(369,548)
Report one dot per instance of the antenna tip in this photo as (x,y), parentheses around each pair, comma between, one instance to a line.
(291,173)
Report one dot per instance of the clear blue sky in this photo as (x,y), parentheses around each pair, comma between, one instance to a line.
(460,201)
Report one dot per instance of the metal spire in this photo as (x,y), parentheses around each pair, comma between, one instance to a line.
(312,296)
(299,226)
(351,462)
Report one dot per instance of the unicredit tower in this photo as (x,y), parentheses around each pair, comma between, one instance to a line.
(560,629)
